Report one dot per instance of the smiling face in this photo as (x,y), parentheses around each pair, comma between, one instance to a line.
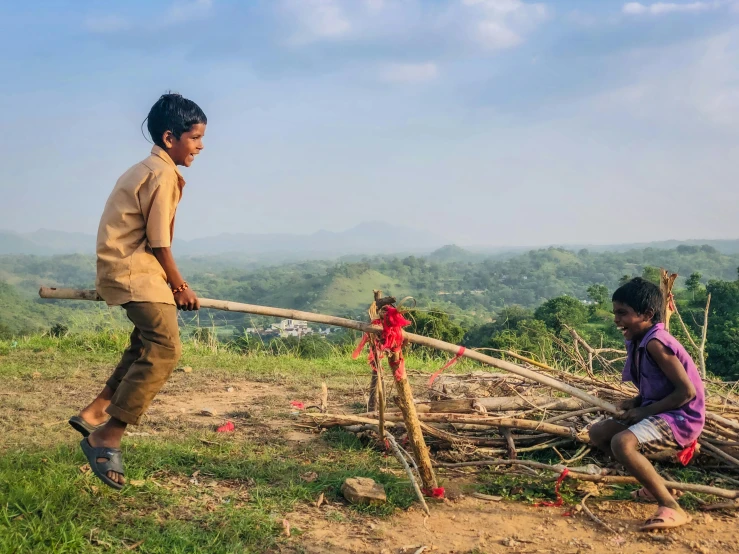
(184,149)
(631,324)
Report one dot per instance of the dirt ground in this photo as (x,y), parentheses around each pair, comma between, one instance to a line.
(459,525)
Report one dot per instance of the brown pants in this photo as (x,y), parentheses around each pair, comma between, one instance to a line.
(148,362)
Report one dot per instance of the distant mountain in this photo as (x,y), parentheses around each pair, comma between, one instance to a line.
(454,253)
(369,238)
(12,243)
(365,238)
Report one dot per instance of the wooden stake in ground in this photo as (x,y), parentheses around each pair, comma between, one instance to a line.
(407,406)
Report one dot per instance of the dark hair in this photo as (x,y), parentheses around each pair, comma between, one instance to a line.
(641,295)
(173,112)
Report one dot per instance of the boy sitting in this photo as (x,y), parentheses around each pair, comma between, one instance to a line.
(669,411)
(136,270)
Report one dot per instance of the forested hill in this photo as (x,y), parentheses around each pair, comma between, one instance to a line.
(447,278)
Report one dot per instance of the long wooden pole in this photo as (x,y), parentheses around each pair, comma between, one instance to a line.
(72,294)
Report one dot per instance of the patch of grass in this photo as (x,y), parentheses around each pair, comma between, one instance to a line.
(60,357)
(189,497)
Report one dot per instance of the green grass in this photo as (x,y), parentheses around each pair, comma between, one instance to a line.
(235,504)
(247,482)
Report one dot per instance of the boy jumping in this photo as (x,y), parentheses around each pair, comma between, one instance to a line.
(669,411)
(136,270)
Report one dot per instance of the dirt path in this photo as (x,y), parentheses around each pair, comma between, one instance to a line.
(470,525)
(462,525)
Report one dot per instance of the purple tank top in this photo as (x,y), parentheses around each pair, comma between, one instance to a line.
(687,421)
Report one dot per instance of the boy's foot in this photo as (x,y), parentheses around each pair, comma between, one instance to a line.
(95,414)
(643,495)
(105,462)
(107,456)
(666,518)
(81,426)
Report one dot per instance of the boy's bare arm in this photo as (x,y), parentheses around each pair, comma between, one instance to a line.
(674,371)
(186,299)
(630,403)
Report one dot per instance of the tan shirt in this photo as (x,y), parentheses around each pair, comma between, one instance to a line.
(138,216)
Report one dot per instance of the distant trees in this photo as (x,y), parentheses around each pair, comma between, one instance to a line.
(560,311)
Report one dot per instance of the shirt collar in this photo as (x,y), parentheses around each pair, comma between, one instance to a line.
(158,151)
(645,340)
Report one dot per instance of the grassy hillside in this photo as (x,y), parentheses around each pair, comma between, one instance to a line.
(448,280)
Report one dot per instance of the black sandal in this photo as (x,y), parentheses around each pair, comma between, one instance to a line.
(81,426)
(114,462)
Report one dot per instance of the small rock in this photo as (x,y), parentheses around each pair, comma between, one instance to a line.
(586,487)
(185,369)
(707,518)
(309,477)
(230,389)
(210,412)
(363,490)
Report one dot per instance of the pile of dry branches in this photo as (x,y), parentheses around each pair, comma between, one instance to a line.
(488,418)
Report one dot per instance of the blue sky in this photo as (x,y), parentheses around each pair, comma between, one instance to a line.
(496,122)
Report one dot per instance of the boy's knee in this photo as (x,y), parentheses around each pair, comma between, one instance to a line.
(624,442)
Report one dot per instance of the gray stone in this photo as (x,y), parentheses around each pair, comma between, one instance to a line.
(363,490)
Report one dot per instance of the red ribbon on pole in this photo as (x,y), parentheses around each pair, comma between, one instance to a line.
(449,364)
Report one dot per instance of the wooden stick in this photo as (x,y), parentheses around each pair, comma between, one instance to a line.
(372,402)
(504,422)
(592,516)
(367,328)
(499,404)
(511,446)
(719,453)
(608,479)
(331,420)
(722,506)
(399,455)
(571,414)
(413,428)
(722,420)
(324,398)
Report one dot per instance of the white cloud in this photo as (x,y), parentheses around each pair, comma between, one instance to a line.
(106,24)
(409,72)
(500,24)
(178,12)
(694,84)
(317,19)
(662,8)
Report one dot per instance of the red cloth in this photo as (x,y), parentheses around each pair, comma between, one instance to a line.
(686,454)
(434,493)
(227,428)
(371,354)
(449,364)
(297,405)
(559,500)
(392,329)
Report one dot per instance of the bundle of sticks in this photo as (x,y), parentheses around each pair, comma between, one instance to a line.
(493,419)
(485,414)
